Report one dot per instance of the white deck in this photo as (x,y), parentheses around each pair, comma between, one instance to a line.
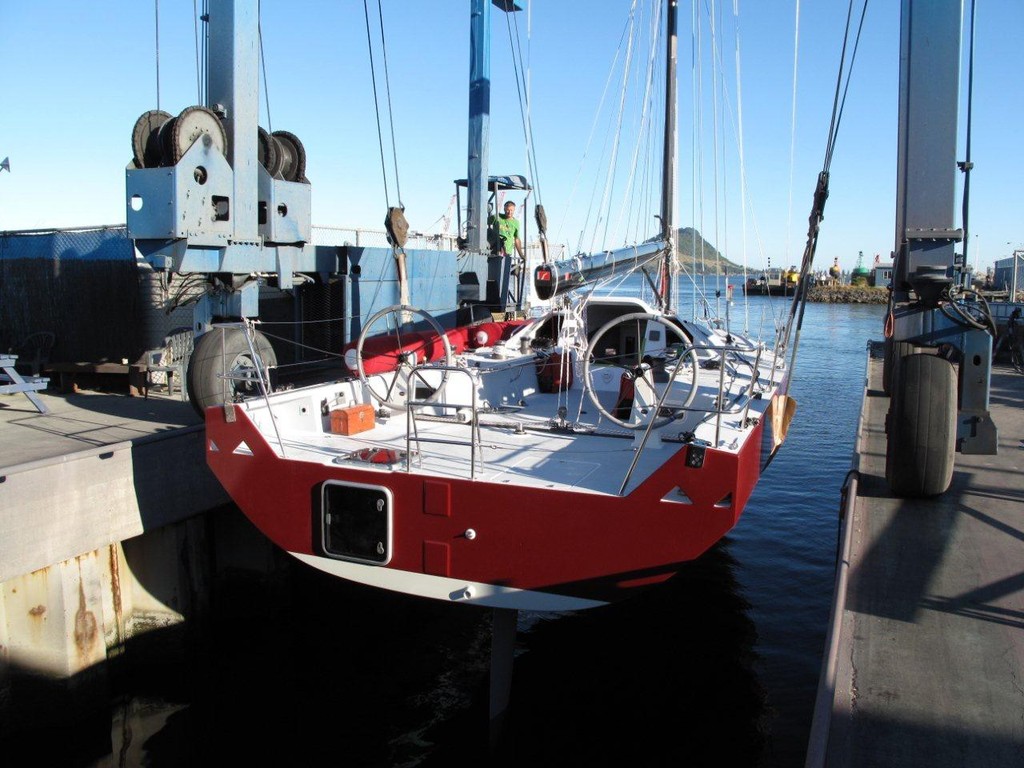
(521,438)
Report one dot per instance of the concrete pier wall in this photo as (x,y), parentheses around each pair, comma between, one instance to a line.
(103,546)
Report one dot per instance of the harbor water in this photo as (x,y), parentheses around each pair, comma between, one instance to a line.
(717,667)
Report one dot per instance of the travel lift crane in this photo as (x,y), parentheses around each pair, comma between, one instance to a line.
(211,193)
(933,412)
(200,201)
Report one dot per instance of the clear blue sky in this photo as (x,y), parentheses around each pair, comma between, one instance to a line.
(77,75)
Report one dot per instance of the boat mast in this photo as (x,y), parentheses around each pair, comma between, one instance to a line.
(668,172)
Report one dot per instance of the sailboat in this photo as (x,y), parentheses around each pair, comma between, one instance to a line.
(558,460)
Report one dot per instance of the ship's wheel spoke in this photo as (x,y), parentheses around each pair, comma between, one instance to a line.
(407,345)
(645,374)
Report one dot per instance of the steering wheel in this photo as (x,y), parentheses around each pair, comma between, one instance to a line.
(640,367)
(392,387)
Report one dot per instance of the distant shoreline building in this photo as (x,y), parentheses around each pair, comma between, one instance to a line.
(1002,273)
(881,274)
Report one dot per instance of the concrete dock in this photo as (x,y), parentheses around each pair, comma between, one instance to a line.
(925,657)
(102,531)
(97,469)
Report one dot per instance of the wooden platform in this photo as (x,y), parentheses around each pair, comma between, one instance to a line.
(925,661)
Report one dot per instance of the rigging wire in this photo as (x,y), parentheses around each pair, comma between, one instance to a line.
(590,138)
(725,166)
(610,177)
(594,190)
(736,121)
(796,312)
(747,307)
(445,219)
(644,125)
(520,69)
(694,21)
(714,133)
(837,118)
(699,117)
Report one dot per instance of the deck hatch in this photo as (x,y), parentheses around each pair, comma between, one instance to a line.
(356,522)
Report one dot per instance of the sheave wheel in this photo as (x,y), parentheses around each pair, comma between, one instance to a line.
(922,427)
(222,367)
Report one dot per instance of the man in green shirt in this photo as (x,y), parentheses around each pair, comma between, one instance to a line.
(505,232)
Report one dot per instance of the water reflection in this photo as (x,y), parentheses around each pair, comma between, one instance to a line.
(348,675)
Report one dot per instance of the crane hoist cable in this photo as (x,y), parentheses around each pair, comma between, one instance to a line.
(394,222)
(376,103)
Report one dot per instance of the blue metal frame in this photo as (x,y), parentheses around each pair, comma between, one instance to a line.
(479,124)
(216,215)
(926,155)
(930,35)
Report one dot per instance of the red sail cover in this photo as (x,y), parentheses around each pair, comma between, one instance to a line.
(384,353)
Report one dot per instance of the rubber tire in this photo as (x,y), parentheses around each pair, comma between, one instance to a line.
(206,386)
(895,351)
(922,427)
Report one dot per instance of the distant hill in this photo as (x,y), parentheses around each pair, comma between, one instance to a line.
(692,247)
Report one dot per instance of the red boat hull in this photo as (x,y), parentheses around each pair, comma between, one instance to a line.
(580,544)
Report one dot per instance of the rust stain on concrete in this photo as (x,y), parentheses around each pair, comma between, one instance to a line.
(86,629)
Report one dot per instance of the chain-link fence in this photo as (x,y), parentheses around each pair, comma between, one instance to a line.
(80,285)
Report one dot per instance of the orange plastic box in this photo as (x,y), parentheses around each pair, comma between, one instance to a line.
(353,420)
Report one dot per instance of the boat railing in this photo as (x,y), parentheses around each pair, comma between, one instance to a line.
(733,359)
(257,374)
(473,421)
(741,404)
